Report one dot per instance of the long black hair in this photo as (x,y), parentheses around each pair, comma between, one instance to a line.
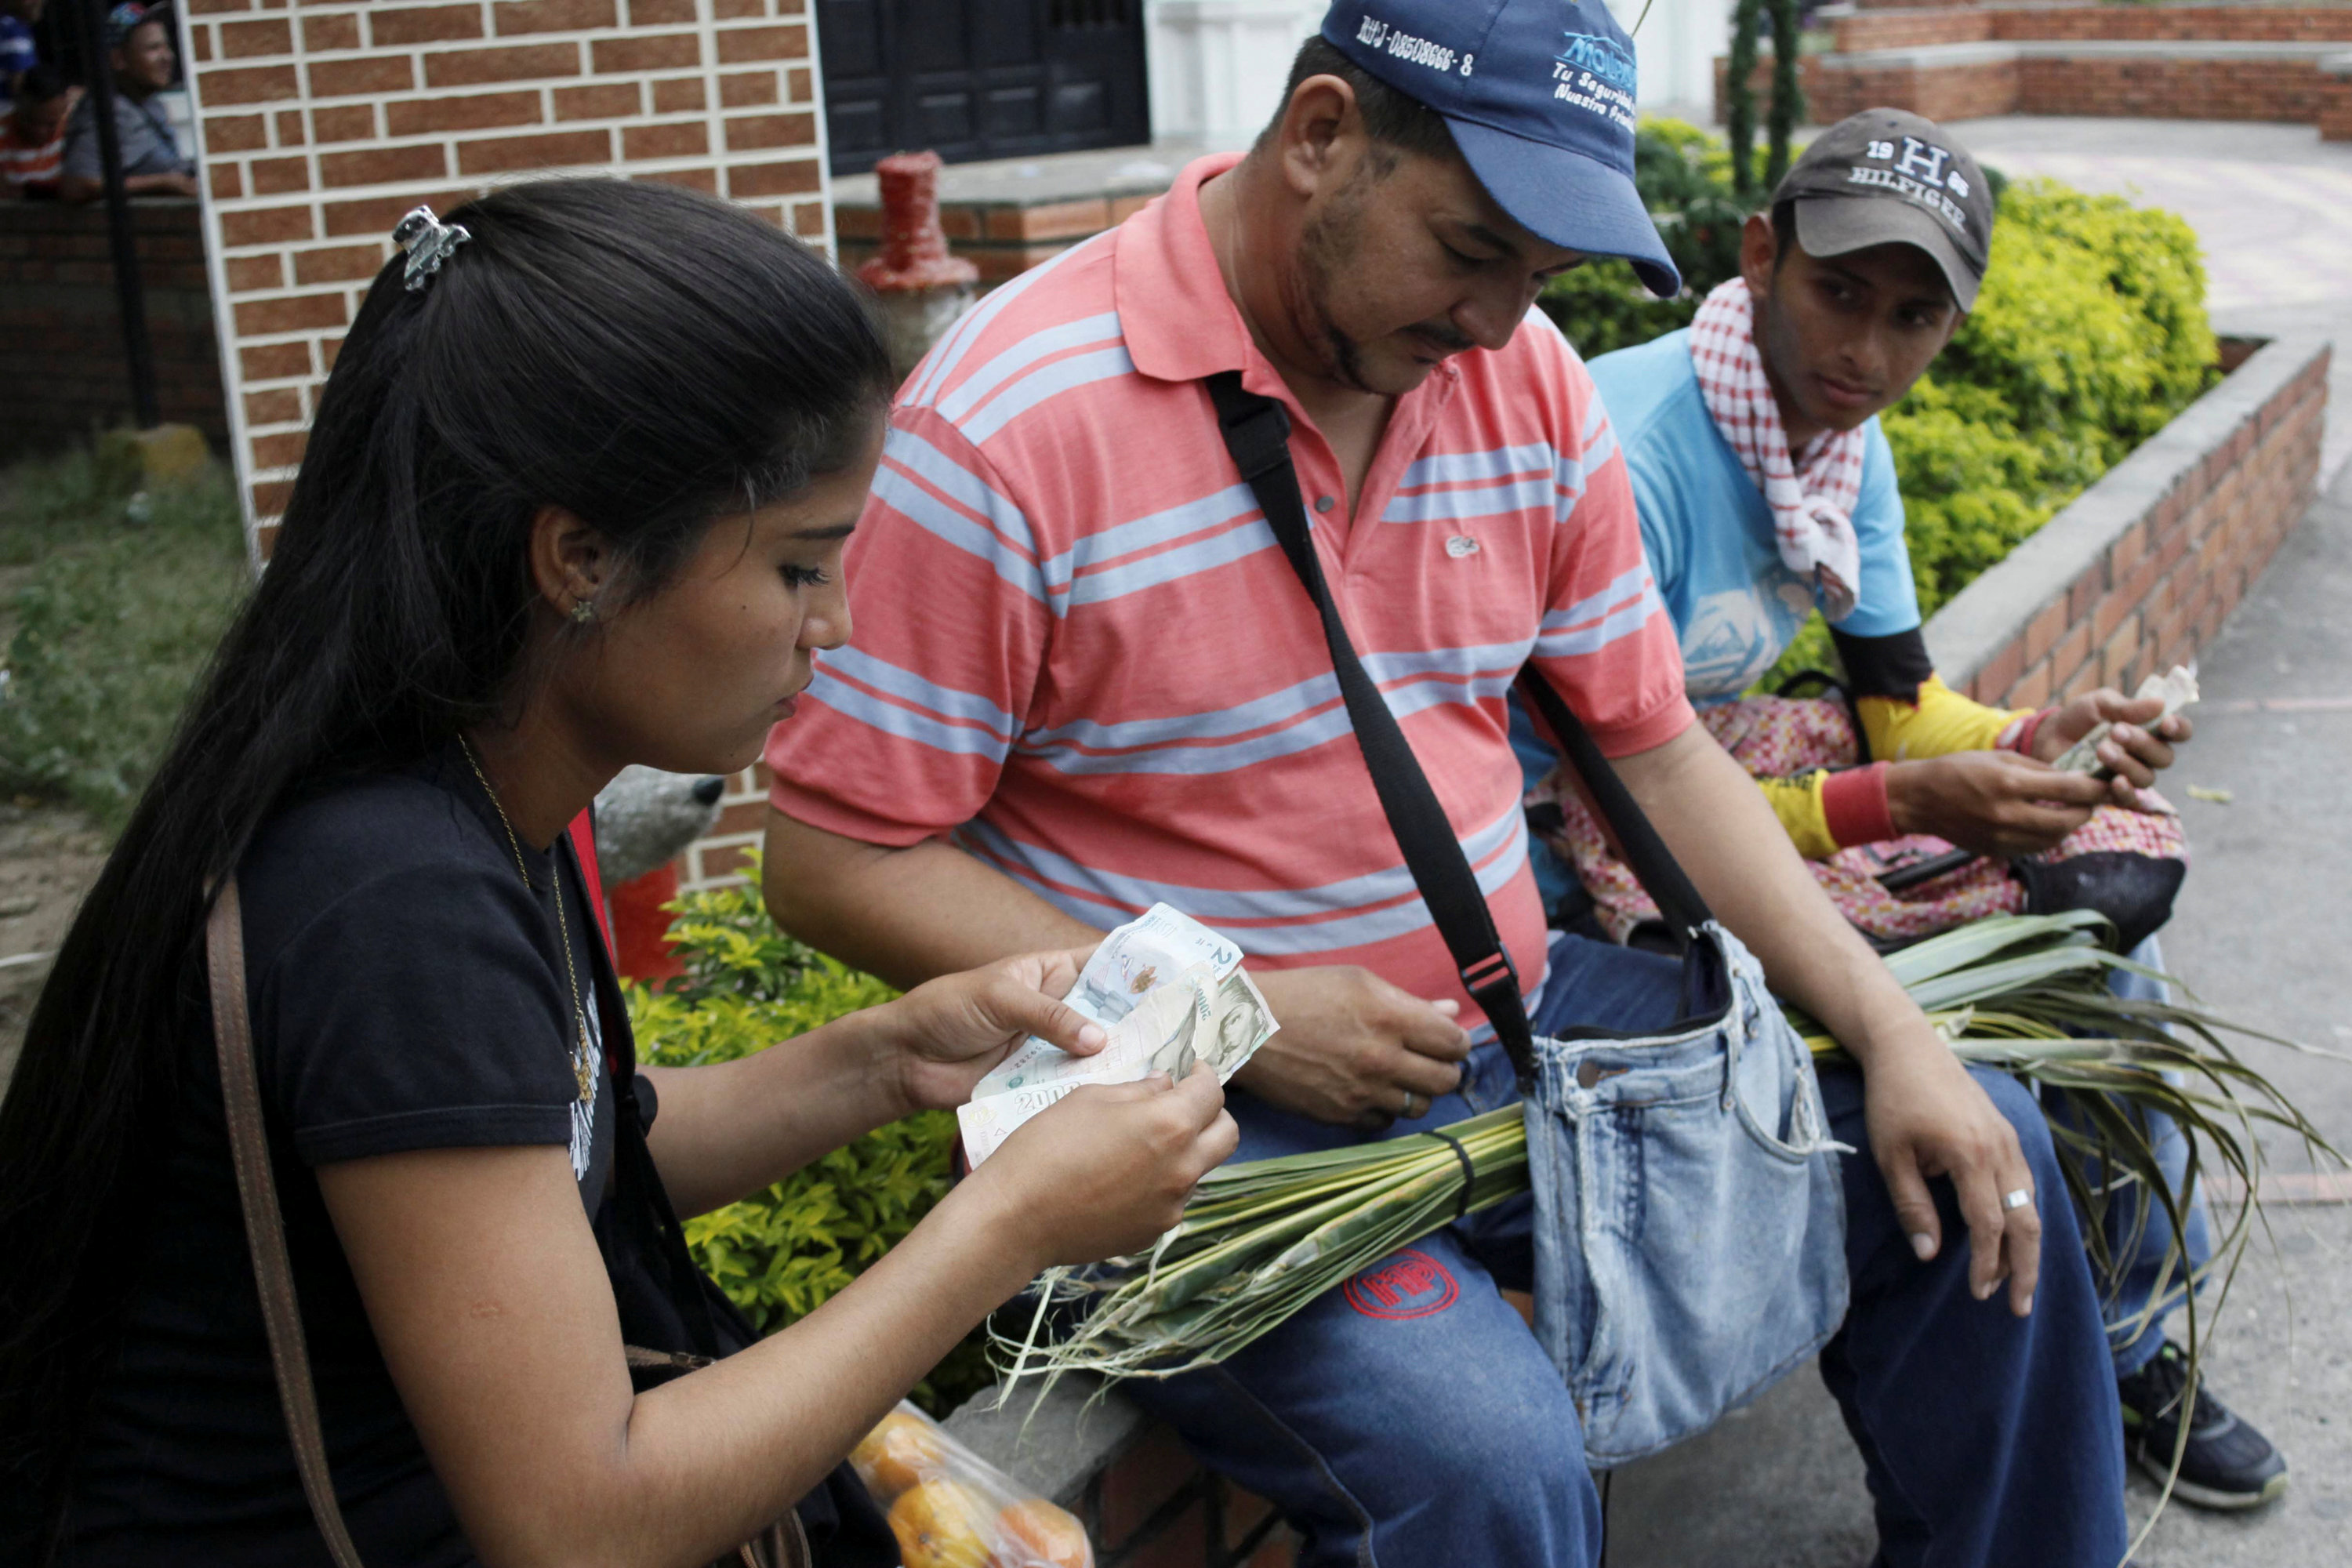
(648,359)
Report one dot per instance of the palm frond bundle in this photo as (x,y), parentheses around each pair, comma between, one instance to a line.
(2025,994)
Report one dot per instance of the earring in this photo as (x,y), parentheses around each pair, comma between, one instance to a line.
(583,611)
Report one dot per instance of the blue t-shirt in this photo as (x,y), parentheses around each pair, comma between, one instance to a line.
(1708,533)
(1709,536)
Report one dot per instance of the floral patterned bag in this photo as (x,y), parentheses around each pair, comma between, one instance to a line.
(1879,888)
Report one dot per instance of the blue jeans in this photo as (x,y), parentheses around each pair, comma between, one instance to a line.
(1408,1418)
(2139,1284)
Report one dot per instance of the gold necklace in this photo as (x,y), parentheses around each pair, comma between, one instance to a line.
(583,1057)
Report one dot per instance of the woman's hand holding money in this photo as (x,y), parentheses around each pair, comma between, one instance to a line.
(1104,1170)
(1353,1047)
(948,1031)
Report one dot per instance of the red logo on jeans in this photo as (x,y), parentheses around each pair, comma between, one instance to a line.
(1412,1284)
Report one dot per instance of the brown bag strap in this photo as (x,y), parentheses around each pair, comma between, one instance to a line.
(265,1228)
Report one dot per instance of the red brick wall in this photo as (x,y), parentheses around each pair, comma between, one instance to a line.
(2160,590)
(2168,90)
(2334,108)
(62,367)
(2185,88)
(319,128)
(2248,24)
(1946,92)
(1952,92)
(1156,1509)
(1909,29)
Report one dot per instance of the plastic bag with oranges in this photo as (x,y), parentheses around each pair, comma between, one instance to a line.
(950,1509)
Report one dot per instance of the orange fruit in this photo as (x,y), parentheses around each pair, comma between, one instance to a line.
(942,1524)
(898,1454)
(1042,1536)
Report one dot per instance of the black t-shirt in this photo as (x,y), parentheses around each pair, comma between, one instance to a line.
(407,992)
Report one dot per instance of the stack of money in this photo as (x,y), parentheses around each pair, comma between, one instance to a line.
(2177,688)
(1169,992)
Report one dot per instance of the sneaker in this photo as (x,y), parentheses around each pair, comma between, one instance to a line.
(2227,1463)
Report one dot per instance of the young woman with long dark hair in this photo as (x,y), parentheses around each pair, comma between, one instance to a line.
(574,500)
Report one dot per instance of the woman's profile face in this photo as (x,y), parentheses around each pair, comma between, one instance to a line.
(692,678)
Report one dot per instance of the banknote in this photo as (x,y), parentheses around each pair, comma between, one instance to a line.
(1153,1034)
(1155,948)
(1239,1022)
(2178,690)
(1194,1019)
(1179,998)
(987,1124)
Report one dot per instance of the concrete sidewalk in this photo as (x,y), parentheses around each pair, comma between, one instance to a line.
(2261,931)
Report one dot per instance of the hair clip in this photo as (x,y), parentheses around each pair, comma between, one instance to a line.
(428,242)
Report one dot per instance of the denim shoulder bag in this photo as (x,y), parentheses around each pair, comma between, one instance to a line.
(1689,1224)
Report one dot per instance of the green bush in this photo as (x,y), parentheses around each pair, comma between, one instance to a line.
(2090,333)
(121,600)
(782,1253)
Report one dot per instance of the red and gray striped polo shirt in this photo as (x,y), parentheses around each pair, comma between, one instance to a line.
(1079,652)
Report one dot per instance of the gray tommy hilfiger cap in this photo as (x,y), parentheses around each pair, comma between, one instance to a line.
(1888,176)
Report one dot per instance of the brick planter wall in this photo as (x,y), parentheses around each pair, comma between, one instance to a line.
(1836,86)
(62,367)
(2139,574)
(1958,24)
(319,128)
(2282,63)
(2249,24)
(2159,88)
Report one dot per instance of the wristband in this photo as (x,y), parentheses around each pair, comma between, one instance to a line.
(2022,741)
(1855,807)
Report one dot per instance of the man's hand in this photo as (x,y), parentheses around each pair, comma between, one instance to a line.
(1927,1118)
(2133,750)
(1995,803)
(1353,1049)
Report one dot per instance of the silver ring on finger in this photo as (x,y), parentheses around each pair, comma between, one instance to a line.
(2016,1198)
(1409,1113)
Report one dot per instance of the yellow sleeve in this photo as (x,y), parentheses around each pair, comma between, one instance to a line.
(1939,722)
(1797,802)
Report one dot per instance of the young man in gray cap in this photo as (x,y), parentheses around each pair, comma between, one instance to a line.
(1084,677)
(1766,489)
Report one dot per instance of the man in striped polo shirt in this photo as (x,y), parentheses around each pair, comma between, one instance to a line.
(1082,679)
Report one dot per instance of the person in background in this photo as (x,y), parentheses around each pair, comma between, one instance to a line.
(152,163)
(33,134)
(1765,488)
(18,53)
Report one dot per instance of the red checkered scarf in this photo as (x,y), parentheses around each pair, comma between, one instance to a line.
(1812,505)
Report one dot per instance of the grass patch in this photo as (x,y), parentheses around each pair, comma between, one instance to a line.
(120,598)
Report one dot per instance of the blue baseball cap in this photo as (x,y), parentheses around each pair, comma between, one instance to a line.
(1540,96)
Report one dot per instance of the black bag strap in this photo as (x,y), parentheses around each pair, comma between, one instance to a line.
(1646,855)
(1256,431)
